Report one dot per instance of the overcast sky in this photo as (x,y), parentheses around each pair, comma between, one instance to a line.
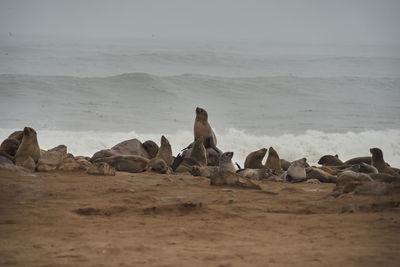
(290,21)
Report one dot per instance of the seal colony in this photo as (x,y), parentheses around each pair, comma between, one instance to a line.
(202,157)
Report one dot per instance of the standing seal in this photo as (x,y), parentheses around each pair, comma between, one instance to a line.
(225,163)
(273,162)
(254,159)
(203,129)
(165,151)
(29,146)
(379,163)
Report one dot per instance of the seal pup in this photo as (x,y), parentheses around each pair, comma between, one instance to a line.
(330,160)
(29,148)
(379,163)
(158,165)
(165,151)
(296,172)
(254,159)
(203,129)
(225,163)
(273,162)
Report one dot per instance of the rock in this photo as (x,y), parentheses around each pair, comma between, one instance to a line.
(14,168)
(69,164)
(101,168)
(384,177)
(52,158)
(322,176)
(232,179)
(132,147)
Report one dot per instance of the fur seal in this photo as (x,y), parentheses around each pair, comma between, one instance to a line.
(198,157)
(296,172)
(285,164)
(157,165)
(203,171)
(9,146)
(254,159)
(329,160)
(151,147)
(199,152)
(225,163)
(125,163)
(165,151)
(366,168)
(273,162)
(358,160)
(29,147)
(320,175)
(203,129)
(379,163)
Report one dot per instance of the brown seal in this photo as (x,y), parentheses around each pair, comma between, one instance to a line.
(358,160)
(131,163)
(199,153)
(203,129)
(379,163)
(273,162)
(151,147)
(157,165)
(225,163)
(9,146)
(254,159)
(330,160)
(165,151)
(29,147)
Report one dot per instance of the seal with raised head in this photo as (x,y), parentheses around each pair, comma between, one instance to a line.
(254,159)
(165,151)
(225,163)
(29,148)
(203,129)
(273,162)
(379,163)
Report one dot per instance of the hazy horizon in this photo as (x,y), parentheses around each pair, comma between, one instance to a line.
(366,22)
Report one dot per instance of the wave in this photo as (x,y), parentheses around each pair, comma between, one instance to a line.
(310,144)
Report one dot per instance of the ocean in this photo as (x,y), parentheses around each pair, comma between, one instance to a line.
(304,100)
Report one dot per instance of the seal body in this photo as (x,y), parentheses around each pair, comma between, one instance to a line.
(199,153)
(273,162)
(29,146)
(126,163)
(203,129)
(254,159)
(330,160)
(225,163)
(151,147)
(165,151)
(296,172)
(379,163)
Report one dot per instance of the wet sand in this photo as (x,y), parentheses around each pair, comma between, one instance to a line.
(148,219)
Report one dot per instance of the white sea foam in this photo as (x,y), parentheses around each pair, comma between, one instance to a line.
(311,144)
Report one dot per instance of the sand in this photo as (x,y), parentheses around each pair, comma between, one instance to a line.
(148,219)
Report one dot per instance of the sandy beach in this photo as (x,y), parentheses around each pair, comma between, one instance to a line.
(149,219)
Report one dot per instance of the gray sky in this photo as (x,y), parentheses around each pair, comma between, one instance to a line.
(291,21)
